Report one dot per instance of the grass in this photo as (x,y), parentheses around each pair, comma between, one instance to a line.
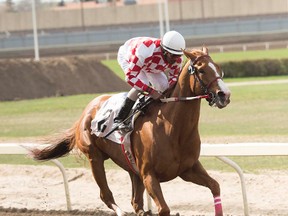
(247,79)
(114,66)
(249,164)
(71,161)
(259,109)
(250,55)
(34,118)
(254,110)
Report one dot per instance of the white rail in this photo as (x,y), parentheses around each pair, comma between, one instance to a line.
(220,151)
(245,149)
(22,148)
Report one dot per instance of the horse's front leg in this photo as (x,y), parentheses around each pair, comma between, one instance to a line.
(198,175)
(153,188)
(137,195)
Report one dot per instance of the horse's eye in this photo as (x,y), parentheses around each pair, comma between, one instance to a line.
(201,71)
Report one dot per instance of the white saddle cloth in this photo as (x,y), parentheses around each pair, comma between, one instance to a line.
(103,122)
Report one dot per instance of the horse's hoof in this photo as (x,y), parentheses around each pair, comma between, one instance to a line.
(143,213)
(177,214)
(148,213)
(140,213)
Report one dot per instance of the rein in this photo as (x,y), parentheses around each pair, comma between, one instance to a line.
(176,99)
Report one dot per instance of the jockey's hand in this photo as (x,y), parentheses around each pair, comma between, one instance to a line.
(156,95)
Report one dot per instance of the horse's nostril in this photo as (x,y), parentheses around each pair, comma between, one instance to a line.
(221,94)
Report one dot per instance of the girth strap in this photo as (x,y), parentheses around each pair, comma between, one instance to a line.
(126,149)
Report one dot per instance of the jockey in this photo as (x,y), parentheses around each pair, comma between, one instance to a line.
(145,61)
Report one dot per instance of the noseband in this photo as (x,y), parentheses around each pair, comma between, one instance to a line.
(205,88)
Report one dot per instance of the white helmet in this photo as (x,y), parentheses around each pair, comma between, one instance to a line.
(173,42)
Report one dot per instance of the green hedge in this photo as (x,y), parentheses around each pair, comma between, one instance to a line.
(255,68)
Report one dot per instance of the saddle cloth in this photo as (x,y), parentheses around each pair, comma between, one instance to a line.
(102,124)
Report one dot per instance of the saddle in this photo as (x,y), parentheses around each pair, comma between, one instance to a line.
(127,124)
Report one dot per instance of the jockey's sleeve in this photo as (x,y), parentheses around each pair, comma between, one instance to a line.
(174,72)
(135,82)
(136,63)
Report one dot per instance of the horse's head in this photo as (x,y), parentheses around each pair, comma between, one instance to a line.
(207,77)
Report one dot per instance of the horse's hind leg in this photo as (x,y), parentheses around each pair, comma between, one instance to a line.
(198,175)
(96,159)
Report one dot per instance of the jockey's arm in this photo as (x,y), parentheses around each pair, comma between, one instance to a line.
(173,77)
(136,63)
(174,73)
(135,82)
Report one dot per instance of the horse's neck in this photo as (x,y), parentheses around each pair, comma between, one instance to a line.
(183,111)
(183,87)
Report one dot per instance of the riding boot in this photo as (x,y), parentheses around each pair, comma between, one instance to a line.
(125,110)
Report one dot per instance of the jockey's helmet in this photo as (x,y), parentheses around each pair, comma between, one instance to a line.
(173,42)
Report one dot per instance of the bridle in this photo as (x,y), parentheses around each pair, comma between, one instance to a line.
(192,70)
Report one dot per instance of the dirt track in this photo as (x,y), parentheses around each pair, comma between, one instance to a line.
(41,187)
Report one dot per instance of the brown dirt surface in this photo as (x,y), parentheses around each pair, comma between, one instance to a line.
(28,79)
(27,190)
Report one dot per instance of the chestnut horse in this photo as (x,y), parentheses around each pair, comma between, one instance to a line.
(165,141)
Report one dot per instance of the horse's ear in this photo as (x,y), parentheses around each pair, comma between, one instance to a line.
(205,50)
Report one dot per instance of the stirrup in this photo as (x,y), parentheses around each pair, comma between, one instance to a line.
(123,127)
(118,121)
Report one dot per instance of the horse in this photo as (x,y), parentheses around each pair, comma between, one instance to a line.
(165,141)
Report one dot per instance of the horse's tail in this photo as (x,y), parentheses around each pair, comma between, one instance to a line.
(58,147)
